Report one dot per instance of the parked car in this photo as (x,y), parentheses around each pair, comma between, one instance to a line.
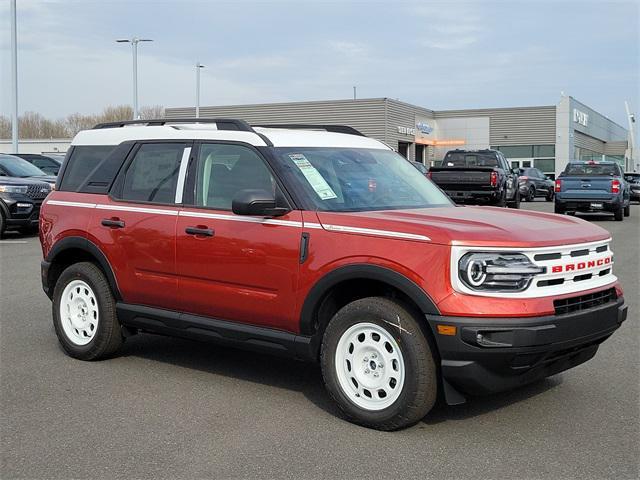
(20,201)
(328,247)
(421,168)
(633,179)
(11,166)
(533,183)
(593,187)
(478,177)
(49,165)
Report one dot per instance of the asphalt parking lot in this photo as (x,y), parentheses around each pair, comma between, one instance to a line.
(168,408)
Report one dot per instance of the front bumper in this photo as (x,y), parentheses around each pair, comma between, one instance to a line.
(20,211)
(511,352)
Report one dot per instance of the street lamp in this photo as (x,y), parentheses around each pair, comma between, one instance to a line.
(198,67)
(14,79)
(134,48)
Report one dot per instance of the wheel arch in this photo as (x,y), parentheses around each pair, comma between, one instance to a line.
(351,282)
(72,250)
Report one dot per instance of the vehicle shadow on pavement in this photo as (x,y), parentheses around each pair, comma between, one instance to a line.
(298,376)
(477,406)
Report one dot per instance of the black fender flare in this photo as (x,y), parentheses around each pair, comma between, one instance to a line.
(365,272)
(92,249)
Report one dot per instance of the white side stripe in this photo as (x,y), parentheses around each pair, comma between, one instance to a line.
(70,204)
(237,218)
(119,208)
(372,231)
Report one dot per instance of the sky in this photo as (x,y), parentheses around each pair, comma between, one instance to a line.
(439,55)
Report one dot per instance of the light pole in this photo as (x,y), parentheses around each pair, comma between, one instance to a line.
(134,48)
(14,79)
(198,67)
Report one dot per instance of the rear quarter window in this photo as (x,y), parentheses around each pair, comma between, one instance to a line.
(91,169)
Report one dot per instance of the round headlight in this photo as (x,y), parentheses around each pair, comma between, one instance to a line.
(476,273)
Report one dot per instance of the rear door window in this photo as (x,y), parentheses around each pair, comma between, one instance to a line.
(152,175)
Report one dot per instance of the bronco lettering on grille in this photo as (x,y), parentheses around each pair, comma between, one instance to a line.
(570,267)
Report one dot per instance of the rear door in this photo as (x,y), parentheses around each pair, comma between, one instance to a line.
(235,267)
(135,225)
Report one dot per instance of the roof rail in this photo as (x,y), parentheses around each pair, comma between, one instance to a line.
(329,128)
(221,123)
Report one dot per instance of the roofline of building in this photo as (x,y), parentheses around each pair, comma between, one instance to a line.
(591,108)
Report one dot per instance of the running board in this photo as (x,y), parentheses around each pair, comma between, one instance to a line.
(195,327)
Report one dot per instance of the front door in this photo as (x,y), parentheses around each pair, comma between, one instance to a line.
(236,267)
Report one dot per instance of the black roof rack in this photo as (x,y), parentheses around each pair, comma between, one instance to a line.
(329,128)
(221,123)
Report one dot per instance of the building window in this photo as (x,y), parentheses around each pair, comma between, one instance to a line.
(544,150)
(547,165)
(517,151)
(526,164)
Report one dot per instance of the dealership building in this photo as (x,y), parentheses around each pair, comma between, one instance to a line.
(546,137)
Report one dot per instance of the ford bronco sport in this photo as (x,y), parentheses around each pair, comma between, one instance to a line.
(322,244)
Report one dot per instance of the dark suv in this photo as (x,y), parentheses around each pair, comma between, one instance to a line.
(49,165)
(533,183)
(20,201)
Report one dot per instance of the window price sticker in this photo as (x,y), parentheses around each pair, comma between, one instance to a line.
(313,176)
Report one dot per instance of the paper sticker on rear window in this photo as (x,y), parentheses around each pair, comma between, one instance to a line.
(313,176)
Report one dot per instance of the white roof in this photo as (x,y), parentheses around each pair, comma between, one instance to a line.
(280,137)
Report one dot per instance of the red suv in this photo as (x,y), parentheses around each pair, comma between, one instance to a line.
(322,244)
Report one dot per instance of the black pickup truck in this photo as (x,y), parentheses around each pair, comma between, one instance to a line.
(477,177)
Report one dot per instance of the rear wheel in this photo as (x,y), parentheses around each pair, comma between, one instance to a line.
(502,202)
(84,313)
(3,225)
(618,214)
(558,209)
(377,364)
(627,210)
(531,194)
(549,196)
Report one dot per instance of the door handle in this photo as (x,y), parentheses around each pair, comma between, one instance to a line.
(112,223)
(200,230)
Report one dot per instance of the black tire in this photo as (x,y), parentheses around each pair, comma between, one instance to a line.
(549,196)
(503,200)
(531,194)
(558,209)
(618,214)
(419,391)
(3,225)
(627,210)
(108,336)
(516,201)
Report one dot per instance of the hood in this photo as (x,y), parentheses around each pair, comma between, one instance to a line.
(486,226)
(24,181)
(43,178)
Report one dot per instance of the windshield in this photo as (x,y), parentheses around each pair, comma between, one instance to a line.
(17,167)
(347,180)
(590,169)
(463,159)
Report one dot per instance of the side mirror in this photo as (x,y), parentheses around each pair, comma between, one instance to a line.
(256,202)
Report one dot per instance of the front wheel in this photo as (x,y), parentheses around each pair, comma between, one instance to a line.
(377,364)
(84,313)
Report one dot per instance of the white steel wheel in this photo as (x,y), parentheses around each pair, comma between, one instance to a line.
(79,314)
(369,366)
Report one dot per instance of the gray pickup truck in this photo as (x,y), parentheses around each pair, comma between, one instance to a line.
(481,177)
(593,187)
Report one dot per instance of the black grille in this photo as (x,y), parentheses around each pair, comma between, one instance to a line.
(573,304)
(38,191)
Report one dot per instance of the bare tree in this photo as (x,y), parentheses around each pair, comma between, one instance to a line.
(33,125)
(152,111)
